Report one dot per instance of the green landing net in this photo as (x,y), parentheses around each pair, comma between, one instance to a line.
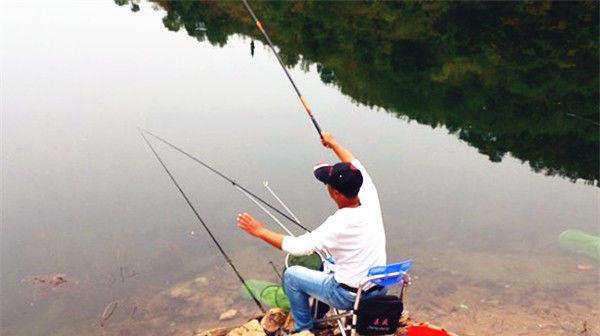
(271,294)
(268,293)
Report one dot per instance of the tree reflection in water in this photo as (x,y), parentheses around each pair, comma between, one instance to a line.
(506,77)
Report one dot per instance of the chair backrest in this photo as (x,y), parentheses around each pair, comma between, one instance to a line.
(390,274)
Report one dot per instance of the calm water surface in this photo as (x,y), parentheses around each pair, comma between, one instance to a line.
(83,196)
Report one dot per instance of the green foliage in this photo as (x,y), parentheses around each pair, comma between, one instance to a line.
(506,77)
(172,21)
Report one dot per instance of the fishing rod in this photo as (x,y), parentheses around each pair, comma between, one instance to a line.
(245,191)
(229,261)
(248,194)
(302,99)
(266,184)
(582,118)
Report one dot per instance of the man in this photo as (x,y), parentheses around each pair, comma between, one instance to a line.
(353,235)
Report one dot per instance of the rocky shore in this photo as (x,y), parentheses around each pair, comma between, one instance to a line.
(472,304)
(277,322)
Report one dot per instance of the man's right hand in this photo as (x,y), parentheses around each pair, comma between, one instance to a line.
(342,153)
(327,139)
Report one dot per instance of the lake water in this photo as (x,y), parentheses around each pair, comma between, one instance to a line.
(83,196)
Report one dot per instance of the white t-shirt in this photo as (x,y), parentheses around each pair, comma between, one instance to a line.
(355,237)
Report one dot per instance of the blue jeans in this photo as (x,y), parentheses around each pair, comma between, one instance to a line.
(300,283)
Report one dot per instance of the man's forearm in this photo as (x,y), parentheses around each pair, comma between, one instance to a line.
(273,238)
(342,153)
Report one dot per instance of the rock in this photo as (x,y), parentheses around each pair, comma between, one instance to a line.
(213,332)
(216,303)
(227,315)
(303,333)
(289,323)
(273,320)
(182,332)
(195,299)
(181,290)
(584,267)
(201,281)
(188,312)
(251,328)
(493,302)
(405,318)
(158,321)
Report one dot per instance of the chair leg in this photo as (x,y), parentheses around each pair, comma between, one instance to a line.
(341,325)
(355,311)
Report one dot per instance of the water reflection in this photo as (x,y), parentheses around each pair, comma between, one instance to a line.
(507,78)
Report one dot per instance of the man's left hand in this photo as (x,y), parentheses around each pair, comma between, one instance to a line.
(250,224)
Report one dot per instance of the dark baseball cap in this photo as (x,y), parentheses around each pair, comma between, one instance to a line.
(342,176)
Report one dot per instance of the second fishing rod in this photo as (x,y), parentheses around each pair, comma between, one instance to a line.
(249,194)
(211,235)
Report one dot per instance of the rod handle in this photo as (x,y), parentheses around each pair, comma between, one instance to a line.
(314,121)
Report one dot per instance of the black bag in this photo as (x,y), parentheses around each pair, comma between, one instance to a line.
(379,315)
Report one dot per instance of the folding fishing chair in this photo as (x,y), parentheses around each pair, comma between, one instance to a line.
(378,315)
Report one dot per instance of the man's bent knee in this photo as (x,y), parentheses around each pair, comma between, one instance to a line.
(291,274)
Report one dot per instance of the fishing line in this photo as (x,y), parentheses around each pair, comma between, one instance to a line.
(302,99)
(237,273)
(234,183)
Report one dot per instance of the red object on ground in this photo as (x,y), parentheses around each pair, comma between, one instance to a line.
(425,330)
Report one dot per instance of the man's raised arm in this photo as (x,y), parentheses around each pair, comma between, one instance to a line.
(343,154)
